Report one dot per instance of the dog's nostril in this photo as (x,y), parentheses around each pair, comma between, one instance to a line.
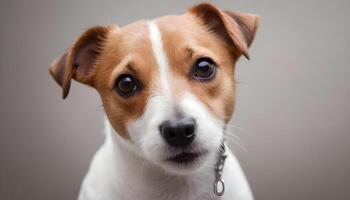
(171,135)
(178,132)
(189,132)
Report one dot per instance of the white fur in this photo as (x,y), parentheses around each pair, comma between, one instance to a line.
(160,56)
(119,174)
(138,170)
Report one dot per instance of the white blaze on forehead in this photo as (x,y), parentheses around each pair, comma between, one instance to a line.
(160,57)
(158,107)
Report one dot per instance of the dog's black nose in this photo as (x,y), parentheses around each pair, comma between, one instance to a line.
(178,132)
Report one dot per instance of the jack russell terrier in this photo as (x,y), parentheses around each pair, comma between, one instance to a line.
(168,89)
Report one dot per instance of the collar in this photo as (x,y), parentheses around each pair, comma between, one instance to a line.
(219,185)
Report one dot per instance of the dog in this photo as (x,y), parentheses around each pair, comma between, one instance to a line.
(168,89)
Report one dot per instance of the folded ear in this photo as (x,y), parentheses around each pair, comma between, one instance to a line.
(234,27)
(78,62)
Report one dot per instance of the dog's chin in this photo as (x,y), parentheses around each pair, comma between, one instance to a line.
(185,162)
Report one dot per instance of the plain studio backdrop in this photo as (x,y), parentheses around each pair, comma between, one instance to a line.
(293,109)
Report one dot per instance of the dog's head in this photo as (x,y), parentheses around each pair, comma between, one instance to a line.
(167,85)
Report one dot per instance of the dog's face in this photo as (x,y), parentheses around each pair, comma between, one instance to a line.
(167,85)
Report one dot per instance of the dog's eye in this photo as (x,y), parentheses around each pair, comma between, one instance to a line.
(126,85)
(204,69)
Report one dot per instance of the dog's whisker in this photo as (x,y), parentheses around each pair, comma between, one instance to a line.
(229,125)
(234,126)
(241,146)
(234,139)
(232,135)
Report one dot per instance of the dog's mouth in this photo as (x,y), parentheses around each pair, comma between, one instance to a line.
(185,157)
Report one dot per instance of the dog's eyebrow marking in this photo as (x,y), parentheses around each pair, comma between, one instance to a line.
(195,51)
(125,63)
(160,56)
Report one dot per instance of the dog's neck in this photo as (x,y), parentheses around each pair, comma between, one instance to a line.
(153,182)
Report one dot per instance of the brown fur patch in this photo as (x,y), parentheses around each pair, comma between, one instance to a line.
(183,47)
(127,51)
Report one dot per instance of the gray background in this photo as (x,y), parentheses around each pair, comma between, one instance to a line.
(293,97)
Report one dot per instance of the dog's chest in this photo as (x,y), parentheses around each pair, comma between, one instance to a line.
(167,188)
(115,177)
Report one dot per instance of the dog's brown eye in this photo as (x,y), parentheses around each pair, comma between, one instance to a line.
(126,85)
(204,69)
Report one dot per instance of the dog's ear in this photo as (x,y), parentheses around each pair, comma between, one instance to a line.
(78,61)
(235,28)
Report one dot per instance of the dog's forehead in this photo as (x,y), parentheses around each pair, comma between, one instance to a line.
(185,26)
(185,23)
(180,38)
(176,34)
(128,37)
